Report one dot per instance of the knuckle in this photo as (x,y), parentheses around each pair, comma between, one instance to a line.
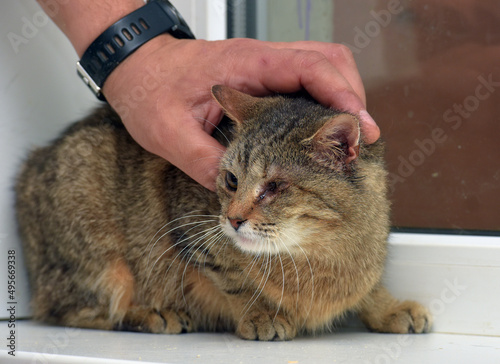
(341,54)
(344,51)
(310,59)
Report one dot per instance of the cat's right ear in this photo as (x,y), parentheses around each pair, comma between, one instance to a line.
(336,143)
(237,105)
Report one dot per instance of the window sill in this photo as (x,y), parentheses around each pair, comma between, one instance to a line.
(44,344)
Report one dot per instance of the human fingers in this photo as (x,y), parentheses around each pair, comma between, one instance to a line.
(288,70)
(190,149)
(338,55)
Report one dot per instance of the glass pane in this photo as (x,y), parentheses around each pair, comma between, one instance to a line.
(432,75)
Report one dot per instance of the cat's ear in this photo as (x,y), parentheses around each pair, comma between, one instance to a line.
(237,105)
(336,142)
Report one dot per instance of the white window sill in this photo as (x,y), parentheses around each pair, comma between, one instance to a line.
(44,344)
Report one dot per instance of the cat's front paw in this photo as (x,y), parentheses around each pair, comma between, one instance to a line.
(143,319)
(407,317)
(176,322)
(265,326)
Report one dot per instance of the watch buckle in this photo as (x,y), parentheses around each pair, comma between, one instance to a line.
(89,81)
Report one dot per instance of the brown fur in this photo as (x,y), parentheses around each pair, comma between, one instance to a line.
(117,238)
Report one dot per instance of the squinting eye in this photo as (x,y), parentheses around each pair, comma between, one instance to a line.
(231,181)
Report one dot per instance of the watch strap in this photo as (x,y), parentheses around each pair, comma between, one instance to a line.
(123,38)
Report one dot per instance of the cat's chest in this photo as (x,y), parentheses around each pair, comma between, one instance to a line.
(312,293)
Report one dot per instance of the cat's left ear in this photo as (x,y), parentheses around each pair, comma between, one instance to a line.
(237,105)
(336,142)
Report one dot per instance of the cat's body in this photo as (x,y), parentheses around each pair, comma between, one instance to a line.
(117,238)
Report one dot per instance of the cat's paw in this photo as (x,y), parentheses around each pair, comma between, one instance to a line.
(176,322)
(265,327)
(407,317)
(157,322)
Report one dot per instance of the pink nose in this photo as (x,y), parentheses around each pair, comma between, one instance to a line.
(236,222)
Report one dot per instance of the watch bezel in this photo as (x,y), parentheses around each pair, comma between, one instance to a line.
(181,28)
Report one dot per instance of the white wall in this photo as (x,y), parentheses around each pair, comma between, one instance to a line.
(206,18)
(40,93)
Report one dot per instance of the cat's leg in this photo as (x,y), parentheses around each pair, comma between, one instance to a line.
(114,307)
(381,312)
(98,298)
(117,284)
(136,318)
(251,316)
(88,318)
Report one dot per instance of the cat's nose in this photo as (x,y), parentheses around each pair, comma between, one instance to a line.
(236,222)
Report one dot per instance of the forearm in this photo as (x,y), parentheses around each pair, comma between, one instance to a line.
(82,21)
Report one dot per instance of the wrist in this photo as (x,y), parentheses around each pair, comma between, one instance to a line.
(134,70)
(83,21)
(126,36)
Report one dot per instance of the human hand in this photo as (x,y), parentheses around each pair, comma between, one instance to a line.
(163,91)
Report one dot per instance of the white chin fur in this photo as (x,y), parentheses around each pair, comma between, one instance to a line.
(250,242)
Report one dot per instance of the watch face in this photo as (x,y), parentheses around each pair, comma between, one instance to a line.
(177,14)
(173,10)
(181,30)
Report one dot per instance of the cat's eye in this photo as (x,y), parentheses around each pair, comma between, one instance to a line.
(271,189)
(231,181)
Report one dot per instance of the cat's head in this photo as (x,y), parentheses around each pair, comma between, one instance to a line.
(289,173)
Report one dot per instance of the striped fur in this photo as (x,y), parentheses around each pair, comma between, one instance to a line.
(117,238)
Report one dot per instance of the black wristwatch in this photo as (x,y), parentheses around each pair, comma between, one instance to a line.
(124,37)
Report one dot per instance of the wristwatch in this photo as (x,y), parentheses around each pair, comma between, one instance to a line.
(126,35)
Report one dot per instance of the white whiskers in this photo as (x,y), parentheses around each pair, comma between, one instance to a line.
(261,285)
(311,277)
(185,237)
(199,239)
(282,286)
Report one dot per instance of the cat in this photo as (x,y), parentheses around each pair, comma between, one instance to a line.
(117,238)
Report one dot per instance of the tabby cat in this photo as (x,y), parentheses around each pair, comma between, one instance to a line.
(117,238)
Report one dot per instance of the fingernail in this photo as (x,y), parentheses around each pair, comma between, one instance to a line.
(370,129)
(366,118)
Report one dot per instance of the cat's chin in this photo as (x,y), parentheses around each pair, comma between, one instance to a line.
(252,243)
(256,246)
(249,241)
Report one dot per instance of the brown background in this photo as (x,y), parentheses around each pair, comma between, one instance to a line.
(432,74)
